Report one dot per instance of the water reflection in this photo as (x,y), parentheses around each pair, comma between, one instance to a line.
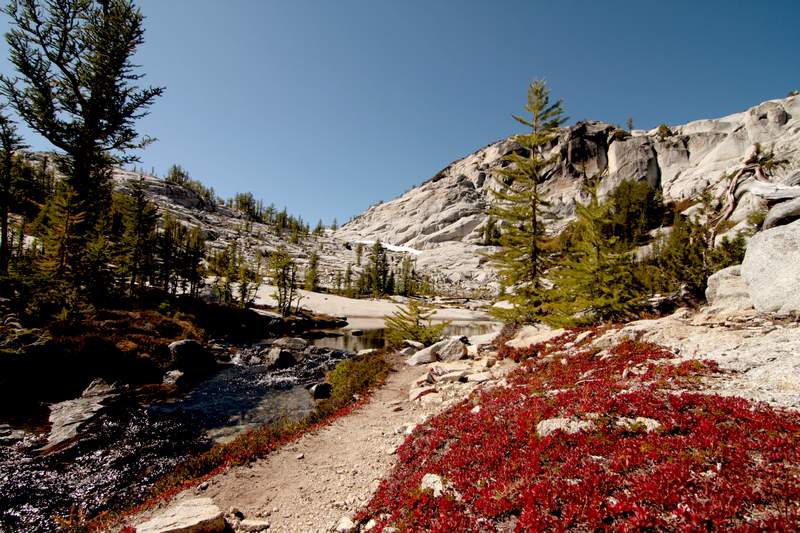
(375,338)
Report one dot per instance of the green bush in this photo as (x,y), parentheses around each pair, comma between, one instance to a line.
(413,323)
(349,378)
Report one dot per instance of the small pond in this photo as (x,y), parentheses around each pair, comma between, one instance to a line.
(371,337)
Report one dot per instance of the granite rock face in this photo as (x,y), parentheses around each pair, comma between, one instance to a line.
(442,219)
(771,269)
(726,290)
(440,222)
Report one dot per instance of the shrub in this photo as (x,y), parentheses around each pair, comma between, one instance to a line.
(413,323)
(712,463)
(663,131)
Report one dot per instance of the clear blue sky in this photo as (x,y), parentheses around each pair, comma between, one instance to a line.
(329,106)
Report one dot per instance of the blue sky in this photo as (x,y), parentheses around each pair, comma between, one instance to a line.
(329,106)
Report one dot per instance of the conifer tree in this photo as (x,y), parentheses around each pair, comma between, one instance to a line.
(10,142)
(137,248)
(334,224)
(194,251)
(359,253)
(348,281)
(378,269)
(283,275)
(249,279)
(311,282)
(413,323)
(61,244)
(521,261)
(407,283)
(595,281)
(76,86)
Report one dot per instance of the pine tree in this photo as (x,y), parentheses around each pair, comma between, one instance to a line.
(334,225)
(413,323)
(137,250)
(378,269)
(312,276)
(359,253)
(318,228)
(194,251)
(249,279)
(61,244)
(408,285)
(521,261)
(10,142)
(283,274)
(490,232)
(348,281)
(595,281)
(76,86)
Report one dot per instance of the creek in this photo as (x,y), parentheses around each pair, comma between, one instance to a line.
(143,432)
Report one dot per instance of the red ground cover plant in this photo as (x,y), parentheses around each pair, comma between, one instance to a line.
(713,463)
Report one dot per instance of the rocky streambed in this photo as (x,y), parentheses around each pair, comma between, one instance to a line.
(109,446)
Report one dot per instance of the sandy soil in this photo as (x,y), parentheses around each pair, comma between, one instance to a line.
(363,313)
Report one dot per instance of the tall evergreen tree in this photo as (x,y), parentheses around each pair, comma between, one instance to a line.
(595,281)
(312,275)
(348,281)
(10,142)
(378,269)
(61,245)
(137,248)
(76,86)
(283,275)
(521,261)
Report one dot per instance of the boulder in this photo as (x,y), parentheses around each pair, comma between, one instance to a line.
(771,269)
(199,515)
(446,350)
(426,355)
(433,483)
(278,358)
(529,335)
(727,290)
(253,525)
(191,357)
(320,391)
(291,343)
(567,425)
(480,377)
(782,213)
(172,377)
(67,417)
(413,344)
(633,424)
(345,525)
(451,349)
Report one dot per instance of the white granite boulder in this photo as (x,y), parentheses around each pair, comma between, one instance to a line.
(771,269)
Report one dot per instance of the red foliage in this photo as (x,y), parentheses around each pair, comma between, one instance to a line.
(715,463)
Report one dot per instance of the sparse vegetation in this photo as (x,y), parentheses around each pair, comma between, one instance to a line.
(414,323)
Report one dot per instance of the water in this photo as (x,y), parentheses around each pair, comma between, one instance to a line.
(370,338)
(142,435)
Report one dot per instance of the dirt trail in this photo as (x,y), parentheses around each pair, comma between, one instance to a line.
(310,484)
